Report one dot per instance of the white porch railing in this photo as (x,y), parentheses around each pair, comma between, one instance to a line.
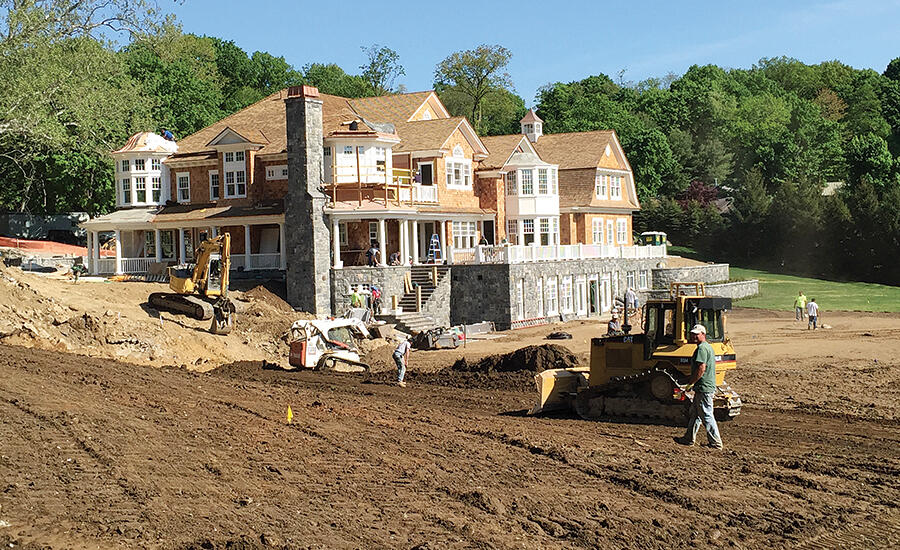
(237,262)
(421,193)
(136,265)
(503,254)
(265,261)
(106,266)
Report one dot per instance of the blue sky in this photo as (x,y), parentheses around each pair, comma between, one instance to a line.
(557,41)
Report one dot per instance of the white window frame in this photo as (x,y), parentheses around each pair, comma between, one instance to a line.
(544,228)
(600,187)
(181,191)
(342,234)
(512,188)
(629,279)
(622,230)
(373,233)
(459,173)
(527,178)
(565,295)
(555,229)
(554,181)
(276,172)
(615,187)
(552,292)
(125,165)
(140,186)
(218,185)
(229,156)
(642,279)
(512,231)
(529,128)
(543,182)
(140,165)
(240,180)
(348,149)
(238,156)
(156,189)
(610,232)
(235,176)
(597,230)
(540,296)
(155,164)
(126,190)
(527,229)
(464,234)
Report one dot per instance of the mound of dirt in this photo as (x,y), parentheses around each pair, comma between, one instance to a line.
(262,295)
(531,359)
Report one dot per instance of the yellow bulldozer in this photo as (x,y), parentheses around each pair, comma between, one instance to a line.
(200,290)
(641,375)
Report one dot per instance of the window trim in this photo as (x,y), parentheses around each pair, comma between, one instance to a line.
(126,188)
(464,179)
(178,188)
(597,231)
(218,185)
(622,231)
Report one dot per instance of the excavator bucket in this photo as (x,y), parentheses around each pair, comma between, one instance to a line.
(557,388)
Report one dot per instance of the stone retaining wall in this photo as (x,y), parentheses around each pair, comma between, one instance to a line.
(734,290)
(709,273)
(388,279)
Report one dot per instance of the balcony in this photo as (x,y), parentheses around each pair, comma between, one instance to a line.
(373,184)
(512,254)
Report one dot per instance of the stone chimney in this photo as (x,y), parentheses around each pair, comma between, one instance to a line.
(308,238)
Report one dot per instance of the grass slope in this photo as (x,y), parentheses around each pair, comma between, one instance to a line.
(778,291)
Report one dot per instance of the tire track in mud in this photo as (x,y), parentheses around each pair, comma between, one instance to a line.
(78,460)
(883,532)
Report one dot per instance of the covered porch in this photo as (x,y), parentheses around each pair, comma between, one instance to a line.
(403,237)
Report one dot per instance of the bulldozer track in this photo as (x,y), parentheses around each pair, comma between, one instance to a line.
(881,533)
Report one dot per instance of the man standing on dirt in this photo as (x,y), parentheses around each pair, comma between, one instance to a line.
(703,378)
(812,311)
(401,357)
(799,306)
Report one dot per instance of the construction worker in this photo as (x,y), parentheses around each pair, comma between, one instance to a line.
(355,298)
(401,357)
(613,326)
(812,311)
(799,306)
(703,380)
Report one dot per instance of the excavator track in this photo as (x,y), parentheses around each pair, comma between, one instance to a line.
(653,394)
(192,306)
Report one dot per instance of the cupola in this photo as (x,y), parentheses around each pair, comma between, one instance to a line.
(532,126)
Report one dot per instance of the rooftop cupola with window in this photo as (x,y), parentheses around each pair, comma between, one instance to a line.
(532,126)
(141,176)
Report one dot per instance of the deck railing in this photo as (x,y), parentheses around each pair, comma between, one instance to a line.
(511,254)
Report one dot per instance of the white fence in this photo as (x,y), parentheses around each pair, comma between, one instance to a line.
(134,266)
(265,261)
(511,254)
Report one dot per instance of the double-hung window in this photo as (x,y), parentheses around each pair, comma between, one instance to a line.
(239,156)
(555,230)
(527,231)
(643,279)
(229,157)
(600,185)
(554,183)
(126,190)
(545,231)
(597,230)
(615,187)
(214,185)
(622,231)
(565,294)
(373,232)
(125,165)
(551,291)
(156,188)
(629,279)
(512,231)
(342,234)
(229,184)
(140,189)
(464,234)
(235,175)
(542,181)
(139,165)
(527,183)
(184,186)
(155,164)
(511,187)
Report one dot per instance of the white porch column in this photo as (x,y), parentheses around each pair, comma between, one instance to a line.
(404,242)
(415,242)
(90,251)
(444,240)
(157,239)
(281,246)
(182,255)
(213,232)
(382,241)
(247,247)
(95,258)
(118,252)
(336,243)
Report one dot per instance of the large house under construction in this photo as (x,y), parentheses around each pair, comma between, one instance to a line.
(512,229)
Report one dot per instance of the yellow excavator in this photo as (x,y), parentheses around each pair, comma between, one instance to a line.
(641,375)
(200,291)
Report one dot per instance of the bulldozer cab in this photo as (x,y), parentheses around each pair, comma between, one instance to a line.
(659,325)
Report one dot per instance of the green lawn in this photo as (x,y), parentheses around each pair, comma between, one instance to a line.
(778,291)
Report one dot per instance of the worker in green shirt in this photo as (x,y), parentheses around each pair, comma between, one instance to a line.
(703,379)
(800,306)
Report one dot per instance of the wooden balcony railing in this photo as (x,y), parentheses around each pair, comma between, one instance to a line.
(373,183)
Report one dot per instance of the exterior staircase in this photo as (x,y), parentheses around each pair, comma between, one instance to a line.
(412,320)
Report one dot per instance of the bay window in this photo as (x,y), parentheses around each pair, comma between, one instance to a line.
(527,184)
(139,165)
(511,187)
(542,181)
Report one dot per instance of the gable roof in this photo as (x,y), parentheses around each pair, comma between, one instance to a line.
(397,108)
(500,149)
(576,149)
(431,135)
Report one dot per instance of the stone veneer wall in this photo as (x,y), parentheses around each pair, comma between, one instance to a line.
(438,304)
(709,273)
(735,290)
(488,292)
(388,279)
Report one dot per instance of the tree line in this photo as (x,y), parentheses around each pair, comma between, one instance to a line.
(732,162)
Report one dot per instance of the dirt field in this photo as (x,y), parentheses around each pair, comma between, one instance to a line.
(98,453)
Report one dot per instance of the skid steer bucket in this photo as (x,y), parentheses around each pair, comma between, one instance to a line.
(557,388)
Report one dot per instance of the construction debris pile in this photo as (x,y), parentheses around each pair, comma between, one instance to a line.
(531,358)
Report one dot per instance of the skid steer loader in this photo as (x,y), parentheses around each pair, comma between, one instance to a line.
(640,375)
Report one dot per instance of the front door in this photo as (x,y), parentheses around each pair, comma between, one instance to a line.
(593,297)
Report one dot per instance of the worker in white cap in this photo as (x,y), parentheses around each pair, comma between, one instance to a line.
(703,381)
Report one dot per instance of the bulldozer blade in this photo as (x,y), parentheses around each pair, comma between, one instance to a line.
(556,388)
